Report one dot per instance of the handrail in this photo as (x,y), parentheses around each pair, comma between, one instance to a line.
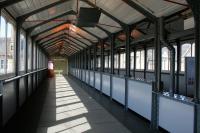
(21,76)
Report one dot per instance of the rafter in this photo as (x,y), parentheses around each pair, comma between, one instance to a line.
(106,31)
(25,16)
(76,39)
(7,3)
(78,46)
(71,12)
(64,35)
(140,9)
(48,29)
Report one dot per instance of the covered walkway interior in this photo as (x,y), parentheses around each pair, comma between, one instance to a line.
(61,106)
(111,66)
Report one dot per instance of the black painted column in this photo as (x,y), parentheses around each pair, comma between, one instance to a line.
(119,60)
(102,63)
(32,62)
(17,60)
(94,58)
(157,84)
(134,69)
(145,62)
(195,6)
(26,63)
(127,49)
(178,65)
(112,45)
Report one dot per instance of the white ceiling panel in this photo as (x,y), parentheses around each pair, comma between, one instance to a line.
(161,7)
(96,31)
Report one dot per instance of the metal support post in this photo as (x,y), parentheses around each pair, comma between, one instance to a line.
(127,49)
(156,86)
(195,6)
(112,44)
(102,63)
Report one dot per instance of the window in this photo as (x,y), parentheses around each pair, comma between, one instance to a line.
(140,60)
(10,49)
(3,45)
(2,64)
(98,62)
(165,59)
(116,59)
(22,52)
(150,59)
(34,56)
(29,53)
(132,60)
(7,46)
(187,50)
(123,61)
(106,62)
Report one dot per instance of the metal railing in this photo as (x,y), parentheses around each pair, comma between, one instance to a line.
(21,76)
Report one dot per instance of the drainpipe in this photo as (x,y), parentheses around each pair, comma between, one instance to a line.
(172,56)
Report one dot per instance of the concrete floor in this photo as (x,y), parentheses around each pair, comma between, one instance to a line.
(65,105)
(69,109)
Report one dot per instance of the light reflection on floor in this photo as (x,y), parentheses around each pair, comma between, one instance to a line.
(72,110)
(68,97)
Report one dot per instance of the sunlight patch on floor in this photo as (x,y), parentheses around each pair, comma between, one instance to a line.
(78,125)
(68,106)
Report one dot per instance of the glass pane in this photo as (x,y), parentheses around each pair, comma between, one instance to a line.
(22,52)
(122,60)
(165,59)
(2,46)
(138,59)
(116,61)
(186,51)
(132,60)
(142,60)
(29,53)
(10,49)
(193,50)
(150,59)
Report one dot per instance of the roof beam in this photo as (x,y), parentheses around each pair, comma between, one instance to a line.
(47,36)
(76,39)
(63,39)
(51,40)
(106,13)
(140,9)
(7,3)
(106,31)
(62,36)
(53,46)
(90,33)
(22,18)
(74,44)
(48,29)
(71,12)
(83,37)
(66,36)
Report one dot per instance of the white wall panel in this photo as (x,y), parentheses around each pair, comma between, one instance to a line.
(97,80)
(140,97)
(92,78)
(106,84)
(119,89)
(175,116)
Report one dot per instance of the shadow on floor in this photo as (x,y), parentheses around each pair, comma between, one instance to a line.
(129,119)
(61,106)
